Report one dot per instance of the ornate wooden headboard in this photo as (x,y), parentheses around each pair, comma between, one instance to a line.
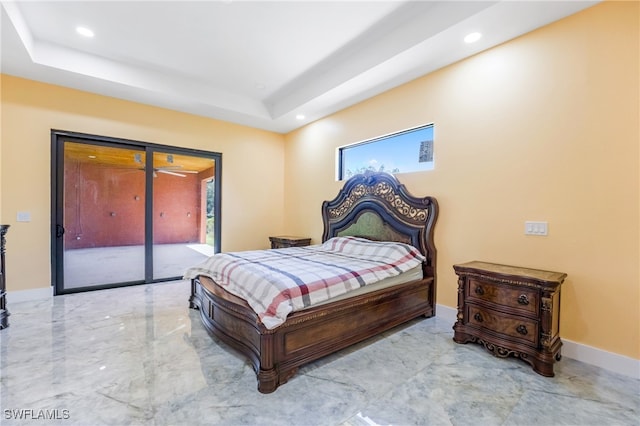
(378,207)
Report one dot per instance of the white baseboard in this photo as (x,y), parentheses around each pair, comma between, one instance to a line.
(29,295)
(609,361)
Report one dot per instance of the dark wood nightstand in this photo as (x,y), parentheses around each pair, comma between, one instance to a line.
(283,241)
(512,311)
(4,313)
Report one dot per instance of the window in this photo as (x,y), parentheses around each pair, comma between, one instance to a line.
(407,151)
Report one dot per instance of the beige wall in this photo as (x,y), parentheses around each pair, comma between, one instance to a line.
(545,127)
(252,166)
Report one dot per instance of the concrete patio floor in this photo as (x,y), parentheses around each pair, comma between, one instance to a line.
(108,265)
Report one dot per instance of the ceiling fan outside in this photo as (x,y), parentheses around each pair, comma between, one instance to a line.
(168,170)
(171,170)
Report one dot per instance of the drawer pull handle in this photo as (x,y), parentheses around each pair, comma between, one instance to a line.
(478,317)
(523,299)
(522,329)
(479,290)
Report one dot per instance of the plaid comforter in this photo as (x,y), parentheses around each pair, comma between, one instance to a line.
(277,282)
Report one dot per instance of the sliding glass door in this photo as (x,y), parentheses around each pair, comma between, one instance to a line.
(181,233)
(127,212)
(103,215)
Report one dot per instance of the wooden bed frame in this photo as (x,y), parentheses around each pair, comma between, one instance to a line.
(373,206)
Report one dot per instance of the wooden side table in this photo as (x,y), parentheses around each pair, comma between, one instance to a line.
(512,311)
(284,241)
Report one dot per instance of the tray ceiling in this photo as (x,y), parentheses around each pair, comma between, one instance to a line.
(256,63)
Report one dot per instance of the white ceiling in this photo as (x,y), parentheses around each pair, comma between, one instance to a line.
(256,63)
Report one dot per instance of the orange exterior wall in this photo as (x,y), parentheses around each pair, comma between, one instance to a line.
(252,185)
(104,207)
(544,128)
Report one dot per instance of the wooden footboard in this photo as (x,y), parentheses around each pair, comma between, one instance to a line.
(306,335)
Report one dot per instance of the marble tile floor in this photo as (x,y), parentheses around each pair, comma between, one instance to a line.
(139,356)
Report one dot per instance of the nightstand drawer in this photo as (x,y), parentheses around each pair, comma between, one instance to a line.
(509,325)
(519,298)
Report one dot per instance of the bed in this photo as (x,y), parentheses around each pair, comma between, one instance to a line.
(372,206)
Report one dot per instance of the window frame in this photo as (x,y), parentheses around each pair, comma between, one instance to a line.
(340,172)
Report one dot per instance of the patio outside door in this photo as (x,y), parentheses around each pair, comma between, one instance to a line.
(183,212)
(128,214)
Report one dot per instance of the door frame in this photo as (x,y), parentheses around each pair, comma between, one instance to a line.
(58,138)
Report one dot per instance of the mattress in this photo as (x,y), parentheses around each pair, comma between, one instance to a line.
(413,274)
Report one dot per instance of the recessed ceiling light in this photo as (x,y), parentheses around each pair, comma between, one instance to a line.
(472,38)
(84,31)
(300,117)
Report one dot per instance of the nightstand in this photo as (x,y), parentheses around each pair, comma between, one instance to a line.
(284,241)
(512,311)
(4,313)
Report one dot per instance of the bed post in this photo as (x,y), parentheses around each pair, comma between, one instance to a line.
(268,379)
(193,299)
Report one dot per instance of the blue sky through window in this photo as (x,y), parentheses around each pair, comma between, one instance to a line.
(407,151)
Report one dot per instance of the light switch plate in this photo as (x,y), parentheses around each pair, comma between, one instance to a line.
(535,228)
(23,217)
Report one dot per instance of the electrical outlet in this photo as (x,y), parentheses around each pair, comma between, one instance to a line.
(535,228)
